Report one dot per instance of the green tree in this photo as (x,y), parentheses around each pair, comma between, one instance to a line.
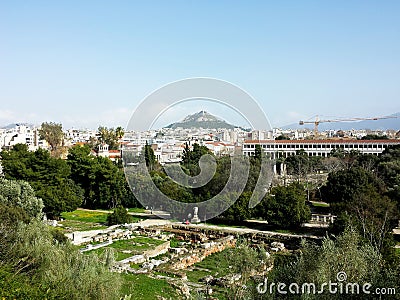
(190,158)
(48,176)
(149,157)
(52,133)
(245,260)
(119,131)
(42,268)
(111,188)
(298,164)
(282,137)
(119,216)
(16,162)
(238,211)
(320,264)
(104,184)
(20,194)
(110,136)
(286,206)
(83,170)
(389,171)
(12,215)
(376,215)
(359,197)
(344,185)
(374,137)
(257,152)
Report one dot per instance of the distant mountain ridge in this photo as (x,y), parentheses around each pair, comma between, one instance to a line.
(13,125)
(202,119)
(382,124)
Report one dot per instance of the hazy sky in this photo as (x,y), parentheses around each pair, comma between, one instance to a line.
(86,63)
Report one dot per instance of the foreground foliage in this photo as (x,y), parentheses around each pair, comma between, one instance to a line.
(321,264)
(48,176)
(37,262)
(56,270)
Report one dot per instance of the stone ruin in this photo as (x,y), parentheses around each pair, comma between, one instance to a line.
(200,253)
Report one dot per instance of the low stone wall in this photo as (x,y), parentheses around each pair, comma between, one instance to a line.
(256,236)
(160,249)
(93,247)
(137,259)
(81,237)
(196,257)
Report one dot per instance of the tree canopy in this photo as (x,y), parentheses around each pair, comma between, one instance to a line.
(119,216)
(52,133)
(48,176)
(347,254)
(285,206)
(20,194)
(110,136)
(102,181)
(360,197)
(38,263)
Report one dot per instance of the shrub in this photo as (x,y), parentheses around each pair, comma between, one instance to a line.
(119,216)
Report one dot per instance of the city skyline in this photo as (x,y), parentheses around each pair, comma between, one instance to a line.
(90,64)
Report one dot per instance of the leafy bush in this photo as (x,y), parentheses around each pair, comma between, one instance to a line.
(53,270)
(119,216)
(19,194)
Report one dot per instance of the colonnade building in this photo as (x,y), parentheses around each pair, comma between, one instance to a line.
(284,148)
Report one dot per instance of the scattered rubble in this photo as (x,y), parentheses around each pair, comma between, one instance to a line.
(277,246)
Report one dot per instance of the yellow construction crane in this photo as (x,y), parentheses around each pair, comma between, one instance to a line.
(317,121)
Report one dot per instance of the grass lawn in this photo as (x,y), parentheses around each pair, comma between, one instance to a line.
(217,265)
(72,225)
(136,245)
(136,210)
(85,216)
(82,220)
(320,204)
(287,231)
(143,287)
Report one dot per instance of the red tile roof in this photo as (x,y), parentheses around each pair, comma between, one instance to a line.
(114,151)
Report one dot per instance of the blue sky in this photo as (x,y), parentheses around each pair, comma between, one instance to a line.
(86,63)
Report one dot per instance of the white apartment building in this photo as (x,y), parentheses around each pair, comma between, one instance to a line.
(74,136)
(220,148)
(103,151)
(167,153)
(22,134)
